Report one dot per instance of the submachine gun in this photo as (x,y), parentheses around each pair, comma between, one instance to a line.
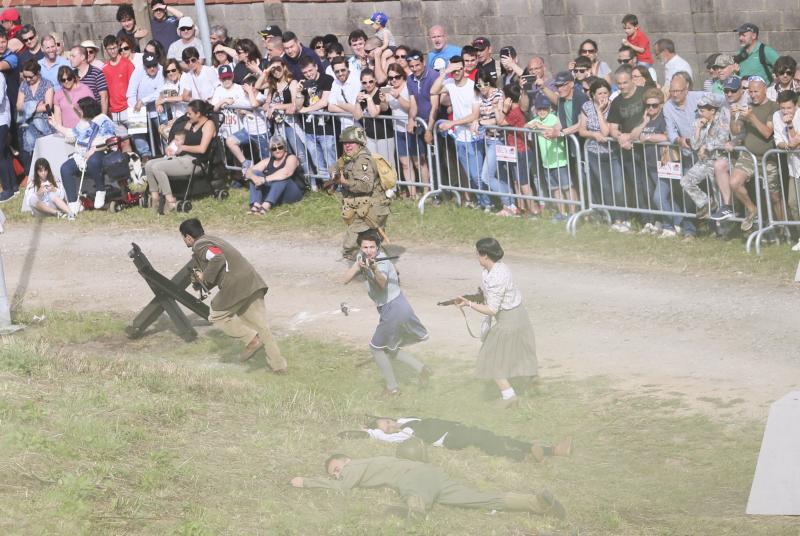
(168,293)
(478,297)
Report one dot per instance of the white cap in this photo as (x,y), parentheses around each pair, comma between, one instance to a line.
(185,22)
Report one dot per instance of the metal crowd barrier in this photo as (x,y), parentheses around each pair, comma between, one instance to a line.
(782,202)
(494,166)
(645,181)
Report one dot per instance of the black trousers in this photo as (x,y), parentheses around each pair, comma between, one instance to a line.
(463,436)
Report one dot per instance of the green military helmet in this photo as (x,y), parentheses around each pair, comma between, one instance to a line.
(412,449)
(354,134)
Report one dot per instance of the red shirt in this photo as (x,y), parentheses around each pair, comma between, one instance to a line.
(640,40)
(515,118)
(12,33)
(117,78)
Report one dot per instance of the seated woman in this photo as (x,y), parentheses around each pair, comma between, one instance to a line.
(200,131)
(92,130)
(275,180)
(45,196)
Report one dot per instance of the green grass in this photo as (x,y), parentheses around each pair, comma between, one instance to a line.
(317,217)
(102,435)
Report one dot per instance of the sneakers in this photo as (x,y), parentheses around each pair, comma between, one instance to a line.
(7,196)
(509,212)
(487,209)
(725,212)
(621,227)
(99,199)
(649,228)
(468,204)
(245,166)
(668,233)
(749,218)
(796,247)
(559,217)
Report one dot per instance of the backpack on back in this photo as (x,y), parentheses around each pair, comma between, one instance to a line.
(386,172)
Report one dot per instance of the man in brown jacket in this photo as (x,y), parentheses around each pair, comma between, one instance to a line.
(238,308)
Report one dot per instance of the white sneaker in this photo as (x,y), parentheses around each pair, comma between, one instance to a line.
(75,207)
(71,216)
(668,233)
(649,228)
(621,227)
(99,199)
(796,247)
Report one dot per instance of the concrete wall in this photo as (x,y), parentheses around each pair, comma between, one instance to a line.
(552,28)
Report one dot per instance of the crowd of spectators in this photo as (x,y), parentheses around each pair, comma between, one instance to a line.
(461,93)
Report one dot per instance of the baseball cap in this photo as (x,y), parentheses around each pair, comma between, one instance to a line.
(723,60)
(149,60)
(541,101)
(481,43)
(747,27)
(378,17)
(89,44)
(10,14)
(273,30)
(225,72)
(564,77)
(710,100)
(732,82)
(185,22)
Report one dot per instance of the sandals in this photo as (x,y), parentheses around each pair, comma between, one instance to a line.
(256,210)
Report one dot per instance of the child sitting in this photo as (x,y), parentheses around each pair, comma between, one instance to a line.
(378,21)
(45,196)
(637,40)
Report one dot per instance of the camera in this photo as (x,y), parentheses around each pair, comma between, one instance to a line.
(527,81)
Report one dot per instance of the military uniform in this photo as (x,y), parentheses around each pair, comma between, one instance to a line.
(423,484)
(238,308)
(364,202)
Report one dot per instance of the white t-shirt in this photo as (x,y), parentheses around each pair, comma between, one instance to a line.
(675,65)
(347,93)
(176,49)
(200,86)
(178,108)
(236,93)
(463,99)
(781,133)
(399,114)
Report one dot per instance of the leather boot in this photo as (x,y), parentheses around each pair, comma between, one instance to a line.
(543,503)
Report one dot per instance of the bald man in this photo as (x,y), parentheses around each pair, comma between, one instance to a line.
(441,49)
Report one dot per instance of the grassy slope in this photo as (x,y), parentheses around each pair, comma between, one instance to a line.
(101,435)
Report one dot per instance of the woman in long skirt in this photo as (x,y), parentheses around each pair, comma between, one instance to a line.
(398,325)
(509,346)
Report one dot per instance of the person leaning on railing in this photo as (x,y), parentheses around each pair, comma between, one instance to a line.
(786,123)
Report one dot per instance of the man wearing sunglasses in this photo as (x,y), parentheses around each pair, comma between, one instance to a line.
(344,92)
(90,76)
(33,47)
(199,81)
(164,22)
(118,73)
(186,31)
(784,71)
(754,58)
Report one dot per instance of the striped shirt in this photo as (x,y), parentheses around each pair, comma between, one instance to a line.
(96,81)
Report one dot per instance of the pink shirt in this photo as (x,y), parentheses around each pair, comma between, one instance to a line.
(68,116)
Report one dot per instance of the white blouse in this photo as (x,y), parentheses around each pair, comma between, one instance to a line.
(499,289)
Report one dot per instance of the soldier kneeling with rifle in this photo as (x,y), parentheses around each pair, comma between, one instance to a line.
(365,204)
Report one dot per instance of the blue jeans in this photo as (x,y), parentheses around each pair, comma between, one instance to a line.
(296,138)
(470,157)
(605,173)
(142,144)
(635,172)
(252,141)
(489,173)
(661,195)
(8,177)
(323,152)
(276,193)
(71,175)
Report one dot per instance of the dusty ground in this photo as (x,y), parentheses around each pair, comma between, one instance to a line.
(714,341)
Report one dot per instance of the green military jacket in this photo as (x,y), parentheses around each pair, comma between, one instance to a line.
(381,472)
(360,174)
(225,268)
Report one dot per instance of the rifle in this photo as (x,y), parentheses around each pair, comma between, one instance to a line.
(478,297)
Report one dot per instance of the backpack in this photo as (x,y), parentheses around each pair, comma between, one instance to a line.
(386,172)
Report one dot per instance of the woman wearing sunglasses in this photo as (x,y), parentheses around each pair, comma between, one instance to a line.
(170,104)
(784,71)
(599,68)
(278,179)
(34,99)
(66,112)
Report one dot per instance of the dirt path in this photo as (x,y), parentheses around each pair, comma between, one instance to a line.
(722,339)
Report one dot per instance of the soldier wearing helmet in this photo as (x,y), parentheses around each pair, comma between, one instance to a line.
(364,203)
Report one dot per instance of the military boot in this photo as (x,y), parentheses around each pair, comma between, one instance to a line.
(543,503)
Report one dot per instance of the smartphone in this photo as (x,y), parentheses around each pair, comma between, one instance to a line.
(528,81)
(386,90)
(505,51)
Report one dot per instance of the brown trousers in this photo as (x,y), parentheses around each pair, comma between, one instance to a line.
(246,319)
